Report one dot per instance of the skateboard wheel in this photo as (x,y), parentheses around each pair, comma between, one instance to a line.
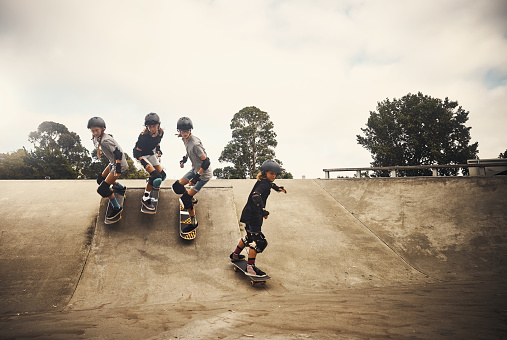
(252,283)
(235,269)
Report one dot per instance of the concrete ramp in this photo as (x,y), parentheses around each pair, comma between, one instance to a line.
(451,228)
(324,236)
(316,245)
(46,230)
(142,260)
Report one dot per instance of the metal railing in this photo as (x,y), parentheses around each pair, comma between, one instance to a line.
(479,165)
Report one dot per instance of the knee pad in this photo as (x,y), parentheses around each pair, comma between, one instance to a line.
(256,242)
(164,175)
(187,201)
(179,188)
(100,179)
(104,190)
(155,178)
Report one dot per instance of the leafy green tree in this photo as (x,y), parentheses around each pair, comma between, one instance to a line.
(49,163)
(56,138)
(13,166)
(418,130)
(253,142)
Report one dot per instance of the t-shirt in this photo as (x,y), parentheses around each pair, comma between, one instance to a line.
(195,150)
(108,145)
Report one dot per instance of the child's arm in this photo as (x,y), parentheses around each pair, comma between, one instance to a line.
(204,166)
(277,188)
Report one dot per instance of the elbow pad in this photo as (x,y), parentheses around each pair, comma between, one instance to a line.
(136,153)
(118,154)
(257,199)
(206,163)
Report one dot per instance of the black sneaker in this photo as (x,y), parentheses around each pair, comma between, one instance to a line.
(236,257)
(148,204)
(252,270)
(191,226)
(118,189)
(113,213)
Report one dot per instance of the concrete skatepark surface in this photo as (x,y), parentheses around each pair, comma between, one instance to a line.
(349,258)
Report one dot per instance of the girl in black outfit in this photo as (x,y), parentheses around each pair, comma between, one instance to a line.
(147,152)
(253,215)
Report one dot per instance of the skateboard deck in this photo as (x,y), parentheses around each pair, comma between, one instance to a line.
(184,222)
(241,266)
(120,197)
(154,196)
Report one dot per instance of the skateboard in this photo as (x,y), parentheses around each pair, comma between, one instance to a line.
(120,197)
(184,222)
(241,265)
(154,196)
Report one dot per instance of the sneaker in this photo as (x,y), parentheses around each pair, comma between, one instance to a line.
(191,226)
(114,213)
(236,257)
(118,189)
(252,270)
(148,204)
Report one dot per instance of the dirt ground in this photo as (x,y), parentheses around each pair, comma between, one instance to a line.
(456,310)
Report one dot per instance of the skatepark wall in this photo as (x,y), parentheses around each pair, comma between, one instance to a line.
(324,235)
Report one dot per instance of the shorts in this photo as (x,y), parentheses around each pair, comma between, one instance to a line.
(189,175)
(152,159)
(112,168)
(252,229)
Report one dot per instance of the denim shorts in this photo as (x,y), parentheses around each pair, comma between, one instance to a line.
(252,229)
(189,175)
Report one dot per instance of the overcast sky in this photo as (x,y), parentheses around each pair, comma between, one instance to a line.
(316,67)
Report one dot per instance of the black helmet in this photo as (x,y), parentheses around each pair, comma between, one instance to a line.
(184,123)
(96,121)
(151,119)
(271,165)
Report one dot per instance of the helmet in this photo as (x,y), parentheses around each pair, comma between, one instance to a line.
(271,165)
(151,119)
(96,121)
(184,123)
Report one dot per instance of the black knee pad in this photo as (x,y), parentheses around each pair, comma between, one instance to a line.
(100,179)
(179,188)
(187,201)
(153,176)
(104,189)
(257,242)
(163,174)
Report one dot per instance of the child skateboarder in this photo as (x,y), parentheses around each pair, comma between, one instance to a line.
(253,214)
(147,152)
(105,143)
(200,173)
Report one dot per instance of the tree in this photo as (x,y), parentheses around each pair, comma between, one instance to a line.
(13,166)
(253,142)
(49,163)
(418,130)
(56,138)
(503,155)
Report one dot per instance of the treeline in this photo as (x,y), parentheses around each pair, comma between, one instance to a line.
(58,154)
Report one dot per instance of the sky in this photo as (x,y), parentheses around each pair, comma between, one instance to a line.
(317,67)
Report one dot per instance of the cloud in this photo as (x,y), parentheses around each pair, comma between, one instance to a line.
(317,67)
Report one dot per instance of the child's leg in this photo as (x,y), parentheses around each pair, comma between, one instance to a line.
(149,168)
(252,254)
(191,193)
(112,179)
